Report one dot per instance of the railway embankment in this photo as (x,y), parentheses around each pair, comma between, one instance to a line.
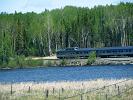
(83,62)
(113,61)
(47,62)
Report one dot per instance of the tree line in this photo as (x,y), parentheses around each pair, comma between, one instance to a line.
(32,34)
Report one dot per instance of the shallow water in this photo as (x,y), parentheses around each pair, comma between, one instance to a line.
(67,73)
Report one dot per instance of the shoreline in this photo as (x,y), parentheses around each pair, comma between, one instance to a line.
(28,67)
(73,63)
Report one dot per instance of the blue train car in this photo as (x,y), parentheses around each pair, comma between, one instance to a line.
(105,52)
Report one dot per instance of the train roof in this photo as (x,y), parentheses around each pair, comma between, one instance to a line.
(111,48)
(87,49)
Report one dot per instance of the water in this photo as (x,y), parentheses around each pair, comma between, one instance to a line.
(66,73)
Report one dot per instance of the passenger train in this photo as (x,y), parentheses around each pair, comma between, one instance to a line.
(75,52)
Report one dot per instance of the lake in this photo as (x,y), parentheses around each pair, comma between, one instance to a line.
(66,73)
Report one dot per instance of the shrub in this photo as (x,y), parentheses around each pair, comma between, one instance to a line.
(91,58)
(12,63)
(34,63)
(49,63)
(20,60)
(17,61)
(63,62)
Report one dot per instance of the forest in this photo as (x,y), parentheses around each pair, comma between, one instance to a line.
(41,34)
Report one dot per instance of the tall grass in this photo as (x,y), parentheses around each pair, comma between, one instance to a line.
(87,90)
(22,62)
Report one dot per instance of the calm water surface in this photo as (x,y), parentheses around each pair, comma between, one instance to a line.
(67,73)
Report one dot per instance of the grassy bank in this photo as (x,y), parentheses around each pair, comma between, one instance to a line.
(34,62)
(21,62)
(81,90)
(27,62)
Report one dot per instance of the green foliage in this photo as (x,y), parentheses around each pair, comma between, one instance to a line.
(34,63)
(17,62)
(91,58)
(32,34)
(12,63)
(20,60)
(23,62)
(63,62)
(47,63)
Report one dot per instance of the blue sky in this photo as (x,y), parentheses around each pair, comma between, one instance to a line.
(10,6)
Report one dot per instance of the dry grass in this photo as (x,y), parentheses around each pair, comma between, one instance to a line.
(67,85)
(37,91)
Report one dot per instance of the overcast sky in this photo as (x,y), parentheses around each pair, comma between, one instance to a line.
(38,6)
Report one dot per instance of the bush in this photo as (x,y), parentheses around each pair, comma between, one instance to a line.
(17,61)
(48,63)
(34,63)
(63,62)
(12,63)
(22,62)
(91,58)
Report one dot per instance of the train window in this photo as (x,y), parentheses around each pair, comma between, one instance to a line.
(86,52)
(129,50)
(82,52)
(124,50)
(119,51)
(108,51)
(100,51)
(114,51)
(104,51)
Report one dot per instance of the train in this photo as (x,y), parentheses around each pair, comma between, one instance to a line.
(105,52)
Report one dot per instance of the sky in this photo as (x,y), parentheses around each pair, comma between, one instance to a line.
(10,6)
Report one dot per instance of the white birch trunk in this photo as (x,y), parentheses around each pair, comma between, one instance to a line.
(49,39)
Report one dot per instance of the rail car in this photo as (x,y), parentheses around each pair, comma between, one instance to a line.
(106,52)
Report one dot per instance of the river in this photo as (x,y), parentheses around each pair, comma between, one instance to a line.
(50,74)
